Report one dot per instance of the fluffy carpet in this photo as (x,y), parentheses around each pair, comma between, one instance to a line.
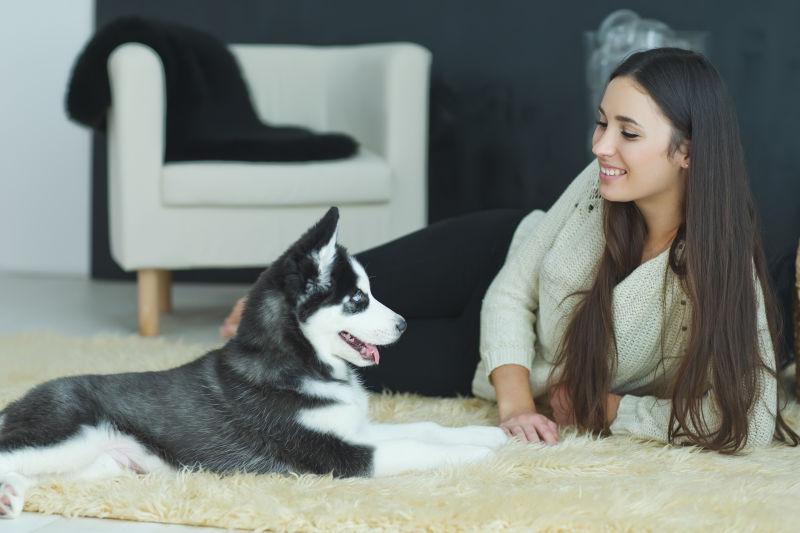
(615,484)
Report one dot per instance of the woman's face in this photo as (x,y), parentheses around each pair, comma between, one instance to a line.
(631,142)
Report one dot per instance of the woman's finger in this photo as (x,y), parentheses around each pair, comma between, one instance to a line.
(530,433)
(547,434)
(554,428)
(517,432)
(549,437)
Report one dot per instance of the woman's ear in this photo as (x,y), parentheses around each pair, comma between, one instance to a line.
(683,154)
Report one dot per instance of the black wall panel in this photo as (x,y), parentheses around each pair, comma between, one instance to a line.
(508,117)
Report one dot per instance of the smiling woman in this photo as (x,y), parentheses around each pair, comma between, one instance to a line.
(672,176)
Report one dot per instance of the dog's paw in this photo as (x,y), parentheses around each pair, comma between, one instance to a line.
(489,436)
(465,453)
(12,496)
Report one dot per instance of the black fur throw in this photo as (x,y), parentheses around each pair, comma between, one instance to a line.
(209,112)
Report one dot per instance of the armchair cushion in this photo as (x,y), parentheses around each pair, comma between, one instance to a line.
(365,178)
(210,115)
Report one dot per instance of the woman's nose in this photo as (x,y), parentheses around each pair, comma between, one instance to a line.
(603,146)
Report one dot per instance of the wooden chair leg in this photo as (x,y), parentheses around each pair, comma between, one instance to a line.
(148,282)
(165,291)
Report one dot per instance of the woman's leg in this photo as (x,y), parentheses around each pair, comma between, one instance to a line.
(436,278)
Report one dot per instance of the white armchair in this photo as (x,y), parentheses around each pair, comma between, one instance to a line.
(230,214)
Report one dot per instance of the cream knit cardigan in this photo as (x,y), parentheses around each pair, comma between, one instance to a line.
(523,317)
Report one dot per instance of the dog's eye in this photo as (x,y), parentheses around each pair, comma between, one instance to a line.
(357,296)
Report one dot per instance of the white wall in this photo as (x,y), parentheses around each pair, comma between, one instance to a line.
(44,159)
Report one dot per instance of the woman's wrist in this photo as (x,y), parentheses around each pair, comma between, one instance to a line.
(509,410)
(513,390)
(612,407)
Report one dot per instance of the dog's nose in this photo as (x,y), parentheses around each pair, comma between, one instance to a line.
(401,325)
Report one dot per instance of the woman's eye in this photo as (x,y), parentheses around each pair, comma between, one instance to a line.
(625,134)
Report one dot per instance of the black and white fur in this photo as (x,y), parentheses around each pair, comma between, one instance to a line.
(280,396)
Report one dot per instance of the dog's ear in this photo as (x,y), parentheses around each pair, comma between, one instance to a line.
(326,246)
(315,251)
(320,234)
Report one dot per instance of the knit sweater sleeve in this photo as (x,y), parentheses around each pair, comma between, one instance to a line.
(508,310)
(648,417)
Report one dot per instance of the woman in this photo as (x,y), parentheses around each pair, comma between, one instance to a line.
(638,304)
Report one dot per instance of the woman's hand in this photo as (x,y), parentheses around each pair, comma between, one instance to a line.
(564,414)
(612,406)
(231,324)
(530,426)
(516,408)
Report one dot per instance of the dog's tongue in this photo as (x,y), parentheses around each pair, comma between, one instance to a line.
(371,351)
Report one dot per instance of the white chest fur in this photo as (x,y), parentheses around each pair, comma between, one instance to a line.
(346,418)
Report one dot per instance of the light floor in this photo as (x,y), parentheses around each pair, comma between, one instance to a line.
(75,306)
(78,306)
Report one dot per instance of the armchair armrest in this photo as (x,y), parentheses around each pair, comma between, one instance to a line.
(379,94)
(381,98)
(135,136)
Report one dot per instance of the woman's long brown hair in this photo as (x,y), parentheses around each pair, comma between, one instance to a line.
(721,243)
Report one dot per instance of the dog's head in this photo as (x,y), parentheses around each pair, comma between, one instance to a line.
(327,292)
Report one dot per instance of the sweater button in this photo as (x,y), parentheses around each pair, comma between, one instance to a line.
(683,328)
(683,302)
(576,205)
(591,207)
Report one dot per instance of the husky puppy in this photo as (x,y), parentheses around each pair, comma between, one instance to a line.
(280,396)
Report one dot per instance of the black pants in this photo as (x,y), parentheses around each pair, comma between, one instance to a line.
(436,278)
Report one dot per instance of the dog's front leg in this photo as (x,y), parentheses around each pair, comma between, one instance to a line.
(12,493)
(396,456)
(488,436)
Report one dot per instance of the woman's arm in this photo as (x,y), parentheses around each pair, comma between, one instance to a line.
(508,315)
(648,416)
(514,395)
(518,416)
(508,309)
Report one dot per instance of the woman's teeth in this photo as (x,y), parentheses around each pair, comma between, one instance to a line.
(612,172)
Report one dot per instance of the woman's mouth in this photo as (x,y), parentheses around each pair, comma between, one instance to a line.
(611,173)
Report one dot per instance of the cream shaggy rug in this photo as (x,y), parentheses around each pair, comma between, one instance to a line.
(613,484)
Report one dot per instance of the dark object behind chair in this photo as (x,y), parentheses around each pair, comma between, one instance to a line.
(209,112)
